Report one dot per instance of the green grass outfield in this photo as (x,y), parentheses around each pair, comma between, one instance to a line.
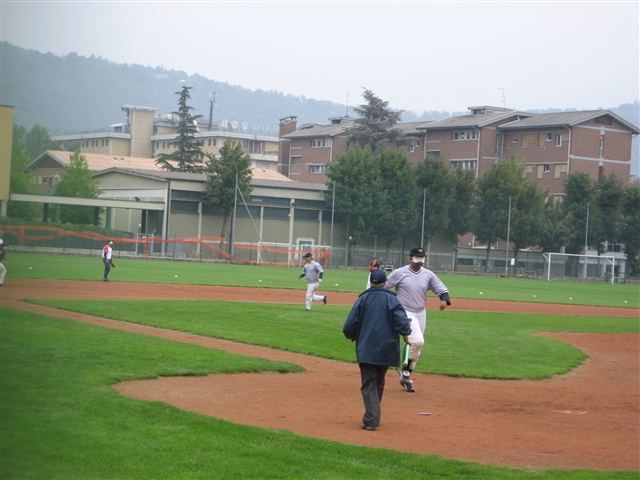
(155,271)
(60,418)
(466,344)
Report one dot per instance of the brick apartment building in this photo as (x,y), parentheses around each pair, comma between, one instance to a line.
(552,145)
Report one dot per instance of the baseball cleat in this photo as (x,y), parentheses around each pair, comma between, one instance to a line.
(307,309)
(405,382)
(325,300)
(367,427)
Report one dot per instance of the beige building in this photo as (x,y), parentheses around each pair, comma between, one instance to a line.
(144,134)
(6,147)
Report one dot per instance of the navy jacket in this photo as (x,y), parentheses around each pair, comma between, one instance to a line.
(375,321)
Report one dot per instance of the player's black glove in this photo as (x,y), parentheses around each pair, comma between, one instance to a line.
(445,298)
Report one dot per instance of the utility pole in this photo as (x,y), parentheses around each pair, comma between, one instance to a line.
(212,101)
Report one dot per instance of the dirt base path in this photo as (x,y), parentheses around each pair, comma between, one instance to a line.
(588,418)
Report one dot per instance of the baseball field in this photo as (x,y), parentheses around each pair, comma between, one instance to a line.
(190,370)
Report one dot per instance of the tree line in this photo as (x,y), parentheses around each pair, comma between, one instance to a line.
(379,192)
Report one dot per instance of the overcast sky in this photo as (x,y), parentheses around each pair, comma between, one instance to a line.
(416,55)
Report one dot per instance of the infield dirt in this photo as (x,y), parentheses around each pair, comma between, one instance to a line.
(588,418)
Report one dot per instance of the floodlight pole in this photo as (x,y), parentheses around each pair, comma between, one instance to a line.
(233,223)
(333,208)
(506,265)
(424,203)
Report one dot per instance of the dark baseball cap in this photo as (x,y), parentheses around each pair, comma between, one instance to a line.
(378,277)
(416,252)
(307,255)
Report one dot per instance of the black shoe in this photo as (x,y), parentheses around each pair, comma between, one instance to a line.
(105,279)
(367,427)
(405,382)
(325,300)
(307,309)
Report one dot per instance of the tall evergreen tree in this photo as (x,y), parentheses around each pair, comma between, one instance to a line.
(376,125)
(188,153)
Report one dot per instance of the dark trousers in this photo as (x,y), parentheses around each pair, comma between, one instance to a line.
(107,267)
(372,390)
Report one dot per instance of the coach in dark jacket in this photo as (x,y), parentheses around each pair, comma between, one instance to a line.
(375,321)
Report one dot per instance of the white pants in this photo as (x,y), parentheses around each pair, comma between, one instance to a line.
(418,325)
(311,294)
(3,272)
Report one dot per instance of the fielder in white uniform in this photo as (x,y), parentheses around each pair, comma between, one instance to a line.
(412,282)
(313,271)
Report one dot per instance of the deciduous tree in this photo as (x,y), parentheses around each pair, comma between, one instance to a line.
(435,183)
(77,182)
(630,231)
(357,180)
(233,165)
(22,182)
(504,178)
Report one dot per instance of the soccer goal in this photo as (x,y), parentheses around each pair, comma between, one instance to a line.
(580,267)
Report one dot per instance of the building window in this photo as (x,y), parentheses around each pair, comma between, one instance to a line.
(321,142)
(296,160)
(317,168)
(465,135)
(529,169)
(209,142)
(548,137)
(558,140)
(546,168)
(434,153)
(417,143)
(601,146)
(558,169)
(412,148)
(45,180)
(464,164)
(245,144)
(157,145)
(539,171)
(265,166)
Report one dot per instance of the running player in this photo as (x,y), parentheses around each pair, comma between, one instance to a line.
(412,282)
(313,271)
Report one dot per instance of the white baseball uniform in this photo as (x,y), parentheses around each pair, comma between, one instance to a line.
(411,289)
(312,271)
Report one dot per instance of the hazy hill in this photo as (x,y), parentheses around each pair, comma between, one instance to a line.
(73,93)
